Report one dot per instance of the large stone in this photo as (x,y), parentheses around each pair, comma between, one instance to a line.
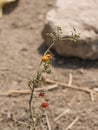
(81,15)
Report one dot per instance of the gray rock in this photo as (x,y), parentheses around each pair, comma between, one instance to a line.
(81,15)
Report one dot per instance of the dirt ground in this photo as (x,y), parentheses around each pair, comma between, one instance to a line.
(21,47)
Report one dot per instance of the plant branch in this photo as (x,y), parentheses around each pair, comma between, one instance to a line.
(30,105)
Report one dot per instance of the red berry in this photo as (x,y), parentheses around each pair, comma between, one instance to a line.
(49,56)
(44,105)
(41,94)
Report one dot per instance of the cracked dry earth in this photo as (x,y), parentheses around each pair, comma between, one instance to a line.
(21,48)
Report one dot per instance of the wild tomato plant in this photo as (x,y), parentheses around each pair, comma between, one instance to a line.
(44,67)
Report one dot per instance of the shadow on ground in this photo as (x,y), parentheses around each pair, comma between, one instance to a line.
(68,62)
(8,8)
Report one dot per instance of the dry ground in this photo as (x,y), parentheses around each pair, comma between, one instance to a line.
(21,46)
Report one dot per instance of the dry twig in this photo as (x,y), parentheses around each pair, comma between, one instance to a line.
(87,90)
(92,96)
(22,92)
(50,87)
(72,123)
(70,79)
(61,115)
(48,123)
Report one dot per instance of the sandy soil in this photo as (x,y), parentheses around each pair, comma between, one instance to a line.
(21,47)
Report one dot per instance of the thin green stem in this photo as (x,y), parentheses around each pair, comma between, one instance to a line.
(49,47)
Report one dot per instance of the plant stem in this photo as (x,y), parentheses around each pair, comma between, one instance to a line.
(49,47)
(30,105)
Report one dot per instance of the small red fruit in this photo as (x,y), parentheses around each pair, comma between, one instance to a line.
(49,56)
(44,105)
(41,94)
